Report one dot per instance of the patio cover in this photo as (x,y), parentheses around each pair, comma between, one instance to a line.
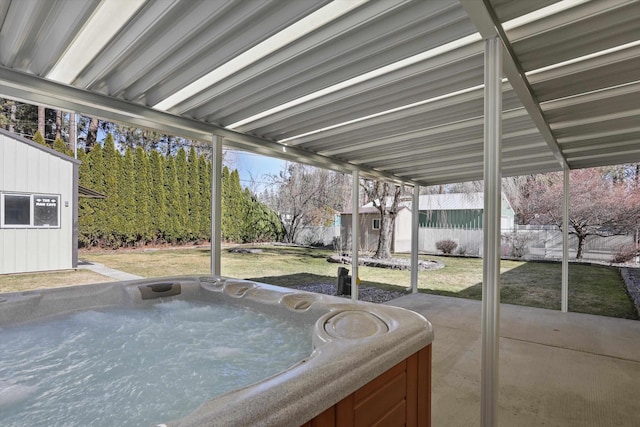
(384,89)
(392,88)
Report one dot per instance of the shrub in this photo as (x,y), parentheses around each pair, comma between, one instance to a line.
(623,254)
(446,246)
(518,244)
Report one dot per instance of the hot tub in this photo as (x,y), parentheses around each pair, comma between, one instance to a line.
(367,363)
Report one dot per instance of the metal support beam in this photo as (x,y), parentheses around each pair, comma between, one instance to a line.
(486,21)
(355,233)
(36,90)
(491,230)
(415,219)
(216,205)
(565,243)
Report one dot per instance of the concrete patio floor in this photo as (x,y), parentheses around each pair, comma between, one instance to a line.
(556,369)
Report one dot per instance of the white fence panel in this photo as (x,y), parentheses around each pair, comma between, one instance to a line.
(324,236)
(469,241)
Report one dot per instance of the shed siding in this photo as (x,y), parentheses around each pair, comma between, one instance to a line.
(31,170)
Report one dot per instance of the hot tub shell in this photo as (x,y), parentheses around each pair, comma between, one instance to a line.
(368,361)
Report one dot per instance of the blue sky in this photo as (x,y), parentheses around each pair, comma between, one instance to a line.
(253,167)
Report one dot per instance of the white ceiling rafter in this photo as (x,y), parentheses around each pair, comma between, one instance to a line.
(298,30)
(488,24)
(93,37)
(391,87)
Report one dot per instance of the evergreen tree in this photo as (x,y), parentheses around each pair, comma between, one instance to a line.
(61,147)
(86,213)
(7,114)
(205,198)
(261,223)
(112,214)
(23,118)
(127,211)
(158,199)
(142,177)
(193,188)
(153,198)
(39,139)
(181,194)
(94,179)
(235,207)
(251,218)
(171,185)
(225,195)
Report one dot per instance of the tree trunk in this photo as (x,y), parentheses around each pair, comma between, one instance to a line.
(72,131)
(41,113)
(58,124)
(386,237)
(382,193)
(92,134)
(581,240)
(12,117)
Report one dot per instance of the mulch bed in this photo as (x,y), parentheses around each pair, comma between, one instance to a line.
(392,263)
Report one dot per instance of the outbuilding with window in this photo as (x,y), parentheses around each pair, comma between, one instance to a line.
(38,207)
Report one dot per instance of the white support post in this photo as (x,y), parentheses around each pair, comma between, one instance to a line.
(415,220)
(355,233)
(564,304)
(491,230)
(216,205)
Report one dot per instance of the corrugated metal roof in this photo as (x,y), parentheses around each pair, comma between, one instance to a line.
(393,88)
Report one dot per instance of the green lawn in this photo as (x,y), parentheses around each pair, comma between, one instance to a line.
(592,289)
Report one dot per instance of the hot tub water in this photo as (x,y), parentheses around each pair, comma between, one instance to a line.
(139,366)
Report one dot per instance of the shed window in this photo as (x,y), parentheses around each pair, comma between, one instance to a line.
(30,210)
(17,210)
(45,210)
(376,224)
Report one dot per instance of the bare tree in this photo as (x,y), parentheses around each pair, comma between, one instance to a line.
(12,116)
(72,130)
(41,120)
(305,196)
(58,124)
(92,134)
(386,198)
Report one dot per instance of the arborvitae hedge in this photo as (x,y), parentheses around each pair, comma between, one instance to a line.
(142,196)
(205,198)
(112,222)
(40,139)
(193,193)
(156,199)
(60,146)
(128,209)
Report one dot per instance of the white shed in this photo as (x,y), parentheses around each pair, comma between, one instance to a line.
(38,207)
